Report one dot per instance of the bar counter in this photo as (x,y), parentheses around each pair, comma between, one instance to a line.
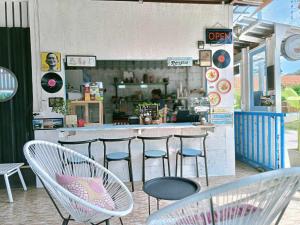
(138,127)
(219,145)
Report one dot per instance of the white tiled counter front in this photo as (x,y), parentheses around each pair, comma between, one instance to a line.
(220,147)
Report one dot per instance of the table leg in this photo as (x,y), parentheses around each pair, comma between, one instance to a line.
(149,204)
(8,188)
(157,202)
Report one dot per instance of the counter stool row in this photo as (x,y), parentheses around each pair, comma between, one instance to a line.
(162,153)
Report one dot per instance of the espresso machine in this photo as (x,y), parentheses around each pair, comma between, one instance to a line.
(201,107)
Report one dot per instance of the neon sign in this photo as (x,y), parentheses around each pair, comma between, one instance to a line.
(218,36)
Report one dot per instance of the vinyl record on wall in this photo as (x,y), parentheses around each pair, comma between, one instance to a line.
(51,82)
(221,59)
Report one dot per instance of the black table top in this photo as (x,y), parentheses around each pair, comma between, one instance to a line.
(170,188)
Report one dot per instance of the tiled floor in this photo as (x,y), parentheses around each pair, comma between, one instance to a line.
(34,207)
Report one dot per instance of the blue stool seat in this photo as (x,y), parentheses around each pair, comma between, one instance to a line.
(155,153)
(190,152)
(115,156)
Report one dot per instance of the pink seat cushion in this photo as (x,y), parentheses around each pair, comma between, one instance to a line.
(223,214)
(88,189)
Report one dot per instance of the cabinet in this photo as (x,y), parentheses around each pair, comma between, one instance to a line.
(86,105)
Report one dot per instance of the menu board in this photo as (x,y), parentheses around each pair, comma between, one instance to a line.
(149,110)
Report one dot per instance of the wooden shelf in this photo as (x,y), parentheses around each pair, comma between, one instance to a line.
(86,104)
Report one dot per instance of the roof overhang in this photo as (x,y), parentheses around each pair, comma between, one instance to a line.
(234,2)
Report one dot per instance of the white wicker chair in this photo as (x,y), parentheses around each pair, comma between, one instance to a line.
(255,200)
(48,159)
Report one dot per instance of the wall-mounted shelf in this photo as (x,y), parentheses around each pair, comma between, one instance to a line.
(139,84)
(120,85)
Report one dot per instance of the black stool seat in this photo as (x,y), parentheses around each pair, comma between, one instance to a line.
(116,156)
(191,152)
(155,153)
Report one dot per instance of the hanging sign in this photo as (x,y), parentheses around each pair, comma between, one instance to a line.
(180,61)
(218,36)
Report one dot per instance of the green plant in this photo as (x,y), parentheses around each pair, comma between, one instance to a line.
(62,107)
(296,88)
(147,109)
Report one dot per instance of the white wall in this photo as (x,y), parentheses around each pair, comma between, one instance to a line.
(121,30)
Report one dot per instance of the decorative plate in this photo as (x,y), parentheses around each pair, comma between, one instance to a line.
(224,86)
(212,74)
(214,98)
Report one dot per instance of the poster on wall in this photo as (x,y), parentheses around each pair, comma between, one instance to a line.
(50,61)
(81,61)
(205,58)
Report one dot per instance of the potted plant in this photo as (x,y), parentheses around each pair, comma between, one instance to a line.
(158,118)
(146,112)
(63,107)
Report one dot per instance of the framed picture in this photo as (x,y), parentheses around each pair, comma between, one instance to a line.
(47,123)
(205,58)
(50,61)
(81,61)
(200,44)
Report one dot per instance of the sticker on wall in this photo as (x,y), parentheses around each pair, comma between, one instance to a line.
(214,98)
(50,61)
(221,59)
(212,75)
(51,82)
(223,86)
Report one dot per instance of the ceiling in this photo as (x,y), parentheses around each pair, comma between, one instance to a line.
(235,2)
(179,1)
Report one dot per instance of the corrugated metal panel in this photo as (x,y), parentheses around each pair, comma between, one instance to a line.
(14,14)
(16,114)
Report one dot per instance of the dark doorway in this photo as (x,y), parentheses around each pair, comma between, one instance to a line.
(16,114)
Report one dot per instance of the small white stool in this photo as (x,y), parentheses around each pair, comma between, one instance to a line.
(9,169)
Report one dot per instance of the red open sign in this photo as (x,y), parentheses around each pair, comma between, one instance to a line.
(218,36)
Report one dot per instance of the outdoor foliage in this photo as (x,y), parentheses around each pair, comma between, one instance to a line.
(237,100)
(296,89)
(291,97)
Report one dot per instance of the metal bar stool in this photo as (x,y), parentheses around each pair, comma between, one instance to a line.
(88,142)
(118,156)
(155,153)
(88,153)
(192,152)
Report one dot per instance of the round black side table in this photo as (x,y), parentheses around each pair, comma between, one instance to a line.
(169,188)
